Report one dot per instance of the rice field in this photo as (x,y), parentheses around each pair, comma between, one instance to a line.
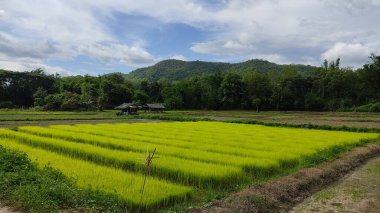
(191,155)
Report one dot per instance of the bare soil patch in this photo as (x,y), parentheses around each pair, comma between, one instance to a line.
(283,194)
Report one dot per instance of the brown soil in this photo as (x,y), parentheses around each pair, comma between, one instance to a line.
(283,194)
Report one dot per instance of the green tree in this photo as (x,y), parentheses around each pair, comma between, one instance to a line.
(140,97)
(39,96)
(232,91)
(257,86)
(116,89)
(210,87)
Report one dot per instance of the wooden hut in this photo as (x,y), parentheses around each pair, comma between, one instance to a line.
(126,108)
(156,107)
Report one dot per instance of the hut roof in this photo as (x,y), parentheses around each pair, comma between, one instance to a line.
(125,106)
(156,106)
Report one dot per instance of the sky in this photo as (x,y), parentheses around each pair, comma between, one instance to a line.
(95,37)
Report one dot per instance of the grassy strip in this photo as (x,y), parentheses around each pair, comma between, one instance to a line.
(168,117)
(40,112)
(29,188)
(31,115)
(64,117)
(274,124)
(177,169)
(309,126)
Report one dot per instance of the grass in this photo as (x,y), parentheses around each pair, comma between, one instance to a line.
(310,126)
(32,115)
(323,120)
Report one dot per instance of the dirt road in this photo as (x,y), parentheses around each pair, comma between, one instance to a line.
(359,191)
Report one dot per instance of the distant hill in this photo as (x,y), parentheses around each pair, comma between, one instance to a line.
(173,69)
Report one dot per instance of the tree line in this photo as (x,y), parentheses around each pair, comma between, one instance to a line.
(328,88)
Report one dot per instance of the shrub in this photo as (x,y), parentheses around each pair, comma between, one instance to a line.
(375,107)
(372,107)
(54,102)
(6,104)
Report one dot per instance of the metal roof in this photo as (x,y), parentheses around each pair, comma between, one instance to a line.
(125,106)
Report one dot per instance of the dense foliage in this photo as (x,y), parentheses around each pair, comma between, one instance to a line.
(250,85)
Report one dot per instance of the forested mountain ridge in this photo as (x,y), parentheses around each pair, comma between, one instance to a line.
(173,69)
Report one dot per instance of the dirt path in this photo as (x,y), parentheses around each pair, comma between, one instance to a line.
(357,192)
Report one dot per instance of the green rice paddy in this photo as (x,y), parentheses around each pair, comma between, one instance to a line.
(191,155)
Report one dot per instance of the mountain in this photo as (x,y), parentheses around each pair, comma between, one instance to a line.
(173,69)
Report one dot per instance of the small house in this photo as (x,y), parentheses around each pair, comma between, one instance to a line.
(156,107)
(127,108)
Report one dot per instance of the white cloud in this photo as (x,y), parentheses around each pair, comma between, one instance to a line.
(30,64)
(351,54)
(18,48)
(118,54)
(179,57)
(276,58)
(221,47)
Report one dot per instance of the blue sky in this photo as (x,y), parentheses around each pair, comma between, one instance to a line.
(96,37)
